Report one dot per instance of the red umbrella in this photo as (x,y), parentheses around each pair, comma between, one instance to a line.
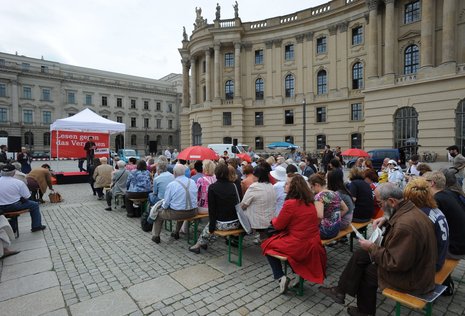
(197,153)
(355,152)
(244,157)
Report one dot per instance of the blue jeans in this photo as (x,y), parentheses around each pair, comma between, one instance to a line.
(36,218)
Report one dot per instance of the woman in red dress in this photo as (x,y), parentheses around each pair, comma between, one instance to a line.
(299,236)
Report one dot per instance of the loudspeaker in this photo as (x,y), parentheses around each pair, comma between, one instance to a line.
(153,146)
(235,141)
(14,144)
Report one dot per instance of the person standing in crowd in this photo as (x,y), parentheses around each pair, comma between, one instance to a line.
(118,183)
(362,196)
(327,156)
(138,186)
(198,167)
(413,166)
(38,180)
(174,155)
(102,177)
(338,155)
(298,238)
(3,150)
(405,261)
(168,154)
(90,147)
(24,158)
(458,163)
(395,174)
(307,171)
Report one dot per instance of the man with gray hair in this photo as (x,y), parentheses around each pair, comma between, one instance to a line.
(180,203)
(118,183)
(160,182)
(405,260)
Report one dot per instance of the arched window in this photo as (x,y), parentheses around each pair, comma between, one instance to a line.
(259,143)
(411,59)
(289,86)
(196,134)
(133,140)
(259,87)
(170,140)
(29,139)
(227,140)
(321,85)
(406,129)
(47,139)
(460,126)
(357,76)
(356,140)
(229,90)
(320,141)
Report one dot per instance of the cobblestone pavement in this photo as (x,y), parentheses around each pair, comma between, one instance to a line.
(89,261)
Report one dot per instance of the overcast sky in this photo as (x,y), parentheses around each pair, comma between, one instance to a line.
(136,37)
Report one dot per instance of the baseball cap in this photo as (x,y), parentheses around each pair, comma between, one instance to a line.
(453,147)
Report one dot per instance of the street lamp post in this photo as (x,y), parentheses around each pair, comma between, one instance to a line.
(304,105)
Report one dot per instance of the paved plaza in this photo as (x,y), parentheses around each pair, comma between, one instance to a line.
(92,262)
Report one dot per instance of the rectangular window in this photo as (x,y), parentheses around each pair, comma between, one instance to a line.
(357,35)
(258,118)
(71,98)
(158,123)
(133,104)
(25,66)
(170,108)
(412,12)
(321,115)
(289,52)
(44,69)
(321,45)
(119,119)
(146,105)
(133,122)
(104,101)
(227,118)
(2,62)
(170,124)
(45,94)
(46,117)
(146,123)
(356,112)
(3,115)
(27,117)
(88,100)
(289,117)
(119,102)
(229,60)
(27,93)
(2,90)
(204,66)
(158,106)
(259,57)
(259,143)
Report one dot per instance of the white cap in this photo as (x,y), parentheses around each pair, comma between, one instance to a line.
(279,173)
(392,162)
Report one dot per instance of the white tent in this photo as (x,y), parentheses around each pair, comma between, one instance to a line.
(87,120)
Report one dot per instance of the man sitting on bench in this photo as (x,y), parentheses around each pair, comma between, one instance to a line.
(405,261)
(14,196)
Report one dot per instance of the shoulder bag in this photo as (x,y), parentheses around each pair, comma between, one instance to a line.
(243,219)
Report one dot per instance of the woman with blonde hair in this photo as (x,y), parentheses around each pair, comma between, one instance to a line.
(203,183)
(271,161)
(418,191)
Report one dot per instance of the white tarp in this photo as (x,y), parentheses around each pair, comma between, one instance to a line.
(87,120)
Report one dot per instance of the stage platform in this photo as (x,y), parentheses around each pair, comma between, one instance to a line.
(71,177)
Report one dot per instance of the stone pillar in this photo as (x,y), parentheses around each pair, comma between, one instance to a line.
(332,52)
(426,51)
(237,69)
(216,71)
(389,37)
(372,69)
(193,81)
(15,115)
(269,69)
(185,82)
(448,31)
(207,75)
(299,61)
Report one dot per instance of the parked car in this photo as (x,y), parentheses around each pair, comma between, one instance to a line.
(377,156)
(125,154)
(40,154)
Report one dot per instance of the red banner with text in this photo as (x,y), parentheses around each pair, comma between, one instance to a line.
(70,144)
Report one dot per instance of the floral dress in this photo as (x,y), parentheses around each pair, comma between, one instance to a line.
(331,222)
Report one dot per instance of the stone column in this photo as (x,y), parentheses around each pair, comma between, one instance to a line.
(216,71)
(389,37)
(15,117)
(237,69)
(332,52)
(372,69)
(269,69)
(193,81)
(426,51)
(448,31)
(185,82)
(300,61)
(207,75)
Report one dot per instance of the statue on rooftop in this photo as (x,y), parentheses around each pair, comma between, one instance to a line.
(236,10)
(218,11)
(184,34)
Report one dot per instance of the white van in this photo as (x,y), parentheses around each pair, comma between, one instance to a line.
(230,148)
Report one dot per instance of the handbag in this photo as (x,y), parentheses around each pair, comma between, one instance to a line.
(243,219)
(55,197)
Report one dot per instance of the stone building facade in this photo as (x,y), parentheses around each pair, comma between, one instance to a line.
(353,73)
(36,92)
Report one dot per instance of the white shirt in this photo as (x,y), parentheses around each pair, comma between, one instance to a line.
(280,196)
(12,190)
(175,194)
(167,154)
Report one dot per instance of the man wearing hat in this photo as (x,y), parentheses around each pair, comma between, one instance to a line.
(14,196)
(280,175)
(458,163)
(395,174)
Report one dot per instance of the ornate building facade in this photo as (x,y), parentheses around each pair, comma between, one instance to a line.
(353,73)
(36,92)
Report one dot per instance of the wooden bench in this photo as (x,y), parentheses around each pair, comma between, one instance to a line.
(362,227)
(415,302)
(300,289)
(236,232)
(195,219)
(13,219)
